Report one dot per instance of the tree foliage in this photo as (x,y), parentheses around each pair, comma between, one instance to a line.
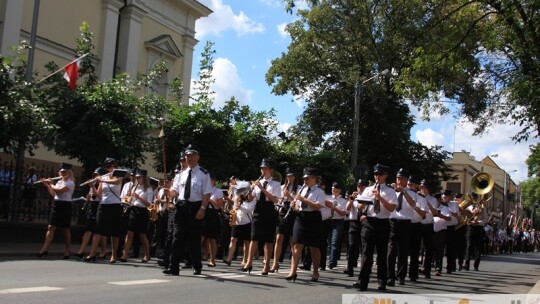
(480,58)
(337,45)
(103,118)
(22,117)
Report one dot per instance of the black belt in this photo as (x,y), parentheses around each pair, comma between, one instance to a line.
(401,221)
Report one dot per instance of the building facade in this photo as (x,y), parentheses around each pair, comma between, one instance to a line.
(504,194)
(129,36)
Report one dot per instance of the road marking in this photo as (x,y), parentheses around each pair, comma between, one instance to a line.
(29,289)
(139,282)
(231,276)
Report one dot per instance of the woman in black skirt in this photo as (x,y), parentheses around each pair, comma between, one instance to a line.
(142,197)
(307,227)
(211,223)
(240,222)
(286,219)
(92,204)
(60,209)
(109,214)
(267,193)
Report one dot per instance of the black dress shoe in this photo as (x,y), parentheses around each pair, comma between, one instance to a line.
(381,288)
(401,282)
(171,272)
(196,271)
(391,283)
(359,286)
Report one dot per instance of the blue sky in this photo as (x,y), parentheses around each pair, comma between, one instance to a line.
(249,34)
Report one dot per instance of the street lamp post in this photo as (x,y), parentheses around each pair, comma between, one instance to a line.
(359,89)
(505,189)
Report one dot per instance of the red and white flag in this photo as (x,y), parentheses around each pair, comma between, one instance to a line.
(71,73)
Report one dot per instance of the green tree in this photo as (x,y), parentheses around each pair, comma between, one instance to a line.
(335,46)
(108,118)
(23,118)
(477,58)
(232,139)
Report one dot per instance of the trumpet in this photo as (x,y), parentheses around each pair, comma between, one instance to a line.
(90,181)
(51,179)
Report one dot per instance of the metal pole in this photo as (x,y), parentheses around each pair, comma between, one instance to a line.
(33,34)
(21,147)
(357,97)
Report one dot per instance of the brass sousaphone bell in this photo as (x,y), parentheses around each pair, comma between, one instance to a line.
(481,184)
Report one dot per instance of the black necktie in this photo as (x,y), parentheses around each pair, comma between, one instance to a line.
(304,205)
(376,202)
(187,189)
(262,197)
(400,201)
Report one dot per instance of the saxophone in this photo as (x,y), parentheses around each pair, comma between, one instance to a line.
(233,216)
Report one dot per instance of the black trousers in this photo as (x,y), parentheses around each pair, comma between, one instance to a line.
(399,246)
(461,244)
(439,240)
(475,240)
(451,248)
(427,235)
(355,242)
(167,248)
(186,235)
(374,234)
(160,232)
(416,240)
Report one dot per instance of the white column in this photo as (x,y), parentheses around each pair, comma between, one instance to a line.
(189,46)
(129,39)
(109,29)
(11,28)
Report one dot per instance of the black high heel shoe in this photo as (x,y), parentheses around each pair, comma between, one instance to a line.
(79,255)
(227,262)
(103,257)
(248,269)
(42,254)
(274,270)
(66,257)
(291,277)
(90,259)
(314,279)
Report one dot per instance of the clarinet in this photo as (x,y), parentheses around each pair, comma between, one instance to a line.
(293,202)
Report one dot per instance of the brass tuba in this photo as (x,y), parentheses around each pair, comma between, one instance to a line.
(481,184)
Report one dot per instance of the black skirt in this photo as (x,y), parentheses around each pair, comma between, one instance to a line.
(109,219)
(211,224)
(307,228)
(91,215)
(285,222)
(61,214)
(241,232)
(263,224)
(139,217)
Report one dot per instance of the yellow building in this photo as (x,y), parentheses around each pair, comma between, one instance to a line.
(129,36)
(464,167)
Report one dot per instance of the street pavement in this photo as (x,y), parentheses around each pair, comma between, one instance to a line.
(27,279)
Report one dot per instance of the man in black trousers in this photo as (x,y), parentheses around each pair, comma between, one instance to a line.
(382,201)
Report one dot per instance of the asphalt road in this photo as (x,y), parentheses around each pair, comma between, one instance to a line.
(53,280)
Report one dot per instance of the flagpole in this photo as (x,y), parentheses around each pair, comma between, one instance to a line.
(62,68)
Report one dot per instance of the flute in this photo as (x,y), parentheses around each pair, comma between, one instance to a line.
(52,179)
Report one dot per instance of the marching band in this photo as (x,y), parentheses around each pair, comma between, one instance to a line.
(401,225)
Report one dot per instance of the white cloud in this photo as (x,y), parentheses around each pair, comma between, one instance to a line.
(281,30)
(272,3)
(510,156)
(223,19)
(228,83)
(430,138)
